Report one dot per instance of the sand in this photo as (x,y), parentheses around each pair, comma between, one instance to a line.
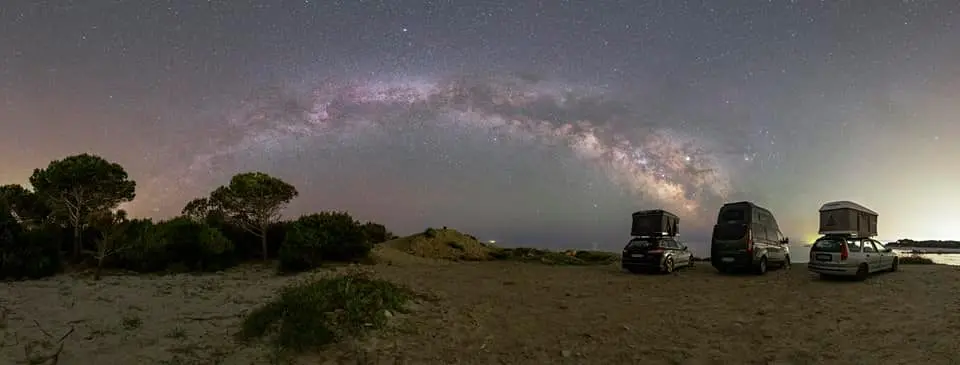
(510,313)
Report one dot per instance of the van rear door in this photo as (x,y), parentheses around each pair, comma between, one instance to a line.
(729,243)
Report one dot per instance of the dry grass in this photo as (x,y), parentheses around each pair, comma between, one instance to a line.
(511,312)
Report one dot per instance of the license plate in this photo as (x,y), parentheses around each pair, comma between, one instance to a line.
(637,255)
(824,257)
(728,259)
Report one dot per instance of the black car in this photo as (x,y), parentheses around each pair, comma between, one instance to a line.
(655,254)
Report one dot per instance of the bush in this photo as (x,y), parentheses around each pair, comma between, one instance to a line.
(328,236)
(246,244)
(26,254)
(376,233)
(177,242)
(309,316)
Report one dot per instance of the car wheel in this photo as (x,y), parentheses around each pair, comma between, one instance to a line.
(896,265)
(786,263)
(862,272)
(668,266)
(761,267)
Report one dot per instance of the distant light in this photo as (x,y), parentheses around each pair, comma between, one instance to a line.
(492,241)
(687,158)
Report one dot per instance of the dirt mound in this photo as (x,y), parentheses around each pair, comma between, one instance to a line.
(443,244)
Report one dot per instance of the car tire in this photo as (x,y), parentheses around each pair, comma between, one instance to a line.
(862,272)
(761,267)
(786,263)
(668,266)
(896,265)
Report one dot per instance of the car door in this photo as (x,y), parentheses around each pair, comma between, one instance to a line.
(683,253)
(886,258)
(871,255)
(671,245)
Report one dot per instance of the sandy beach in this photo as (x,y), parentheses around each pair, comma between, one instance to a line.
(507,312)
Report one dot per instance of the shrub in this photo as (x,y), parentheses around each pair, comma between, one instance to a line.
(311,315)
(146,248)
(246,244)
(376,233)
(302,248)
(177,242)
(197,246)
(333,236)
(26,254)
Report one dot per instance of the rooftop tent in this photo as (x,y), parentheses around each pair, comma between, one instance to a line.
(846,217)
(655,222)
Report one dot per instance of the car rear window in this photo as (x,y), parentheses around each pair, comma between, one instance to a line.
(828,245)
(642,243)
(729,231)
(733,215)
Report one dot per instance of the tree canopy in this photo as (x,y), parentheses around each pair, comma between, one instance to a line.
(253,200)
(25,204)
(78,185)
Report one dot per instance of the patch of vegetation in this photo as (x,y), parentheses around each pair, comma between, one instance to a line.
(443,244)
(549,257)
(916,260)
(73,208)
(308,316)
(313,238)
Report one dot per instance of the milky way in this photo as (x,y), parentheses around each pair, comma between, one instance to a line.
(657,165)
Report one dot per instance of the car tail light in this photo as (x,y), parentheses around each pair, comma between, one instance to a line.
(750,241)
(844,252)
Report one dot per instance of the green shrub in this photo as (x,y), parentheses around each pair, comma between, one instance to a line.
(176,243)
(302,248)
(26,254)
(332,236)
(376,233)
(309,316)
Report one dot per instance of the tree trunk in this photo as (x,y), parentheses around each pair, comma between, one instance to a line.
(263,243)
(96,274)
(77,242)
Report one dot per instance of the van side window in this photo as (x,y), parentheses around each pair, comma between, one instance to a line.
(868,246)
(759,232)
(854,245)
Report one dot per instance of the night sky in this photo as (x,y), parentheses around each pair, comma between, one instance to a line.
(539,123)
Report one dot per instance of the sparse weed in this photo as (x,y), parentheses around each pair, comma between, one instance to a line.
(318,313)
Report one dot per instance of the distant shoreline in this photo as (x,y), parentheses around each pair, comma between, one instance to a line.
(930,246)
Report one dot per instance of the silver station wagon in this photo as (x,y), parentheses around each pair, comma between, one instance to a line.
(846,255)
